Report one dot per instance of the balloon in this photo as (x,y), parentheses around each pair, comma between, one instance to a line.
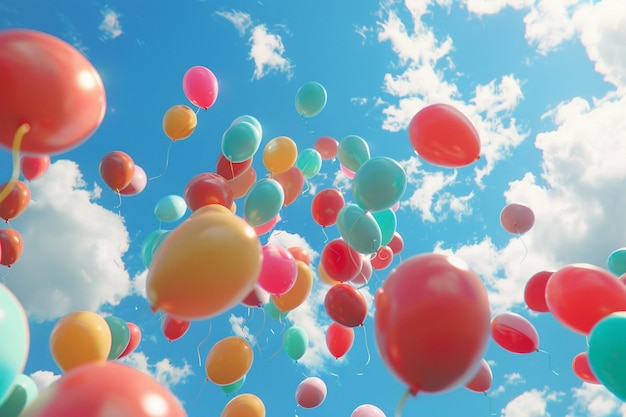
(16,201)
(327,147)
(34,166)
(383,258)
(352,152)
(170,208)
(378,184)
(200,86)
(295,342)
(11,244)
(230,170)
(341,262)
(311,392)
(208,188)
(208,264)
(267,227)
(79,338)
(367,410)
(273,311)
(240,142)
(339,339)
(444,136)
(481,381)
(174,329)
(256,298)
(244,405)
(607,353)
(309,162)
(134,339)
(22,392)
(137,183)
(514,333)
(359,229)
(280,154)
(103,389)
(582,369)
(147,246)
(349,174)
(517,218)
(616,262)
(278,269)
(326,205)
(432,322)
(120,336)
(299,291)
(117,169)
(365,273)
(310,99)
(242,184)
(292,182)
(252,120)
(14,328)
(535,291)
(263,202)
(229,360)
(387,222)
(234,387)
(68,92)
(346,305)
(323,275)
(300,254)
(179,122)
(397,243)
(580,295)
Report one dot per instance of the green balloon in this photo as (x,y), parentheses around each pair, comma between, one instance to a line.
(311,99)
(241,141)
(15,340)
(617,262)
(378,184)
(352,152)
(120,336)
(309,162)
(607,353)
(234,387)
(273,311)
(263,201)
(359,229)
(22,392)
(295,342)
(148,244)
(387,221)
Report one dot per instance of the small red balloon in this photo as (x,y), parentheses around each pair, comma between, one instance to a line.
(340,261)
(11,244)
(117,169)
(339,339)
(396,244)
(256,298)
(327,147)
(208,188)
(133,341)
(174,329)
(514,333)
(383,258)
(481,381)
(33,167)
(326,205)
(230,170)
(535,292)
(346,305)
(300,254)
(137,183)
(582,369)
(16,201)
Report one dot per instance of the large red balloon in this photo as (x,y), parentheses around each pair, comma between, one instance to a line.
(117,170)
(481,381)
(11,244)
(444,136)
(582,369)
(133,342)
(16,201)
(208,188)
(535,291)
(174,329)
(51,86)
(514,333)
(326,205)
(432,322)
(339,339)
(340,261)
(346,305)
(33,167)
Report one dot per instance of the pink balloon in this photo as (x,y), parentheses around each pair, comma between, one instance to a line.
(200,86)
(514,333)
(367,410)
(365,273)
(481,381)
(133,342)
(517,218)
(278,270)
(137,183)
(346,171)
(311,392)
(34,166)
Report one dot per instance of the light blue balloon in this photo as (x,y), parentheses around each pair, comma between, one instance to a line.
(309,162)
(148,244)
(20,395)
(387,221)
(252,120)
(240,142)
(359,229)
(311,99)
(263,201)
(379,184)
(170,208)
(607,353)
(352,152)
(15,340)
(617,262)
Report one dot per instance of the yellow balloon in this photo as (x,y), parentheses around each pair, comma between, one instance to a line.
(207,265)
(244,405)
(280,154)
(229,360)
(211,208)
(324,275)
(78,338)
(179,122)
(298,292)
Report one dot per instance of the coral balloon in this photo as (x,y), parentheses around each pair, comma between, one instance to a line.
(432,322)
(346,305)
(339,339)
(117,169)
(481,381)
(300,254)
(242,183)
(244,405)
(444,136)
(133,341)
(200,86)
(535,291)
(298,292)
(514,333)
(278,269)
(311,392)
(365,273)
(367,410)
(311,99)
(326,205)
(33,167)
(16,201)
(179,122)
(137,183)
(582,369)
(383,258)
(12,246)
(174,329)
(327,147)
(292,182)
(397,243)
(230,170)
(517,218)
(229,360)
(70,99)
(208,188)
(340,261)
(280,154)
(14,327)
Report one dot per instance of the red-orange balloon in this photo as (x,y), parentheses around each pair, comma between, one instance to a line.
(346,305)
(11,244)
(327,147)
(34,167)
(298,293)
(340,261)
(133,342)
(300,254)
(580,366)
(396,244)
(230,170)
(208,188)
(174,329)
(535,292)
(242,183)
(292,182)
(514,333)
(326,205)
(383,258)
(117,169)
(16,201)
(481,381)
(50,85)
(339,339)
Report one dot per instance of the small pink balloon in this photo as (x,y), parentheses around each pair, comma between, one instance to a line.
(34,167)
(481,381)
(347,172)
(367,410)
(311,392)
(517,218)
(327,147)
(200,86)
(137,183)
(267,227)
(278,270)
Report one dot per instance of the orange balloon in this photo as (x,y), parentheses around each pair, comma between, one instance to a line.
(79,338)
(117,169)
(229,360)
(179,122)
(208,264)
(211,208)
(300,254)
(280,154)
(11,244)
(242,183)
(292,182)
(16,201)
(298,292)
(244,405)
(324,275)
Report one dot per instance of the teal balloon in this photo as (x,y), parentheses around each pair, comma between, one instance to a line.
(273,311)
(263,201)
(617,262)
(379,184)
(234,387)
(359,229)
(120,336)
(15,340)
(252,120)
(309,162)
(311,99)
(22,392)
(295,342)
(148,244)
(352,152)
(387,221)
(159,241)
(170,208)
(240,141)
(607,353)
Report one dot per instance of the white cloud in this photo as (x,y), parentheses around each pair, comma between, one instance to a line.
(289,240)
(592,400)
(241,20)
(164,371)
(267,51)
(531,403)
(110,27)
(138,284)
(549,23)
(43,379)
(514,378)
(481,7)
(240,329)
(73,248)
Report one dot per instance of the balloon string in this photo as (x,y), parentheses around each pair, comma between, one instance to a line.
(325,235)
(336,377)
(549,361)
(519,235)
(367,349)
(247,320)
(491,413)
(275,353)
(15,150)
(401,403)
(167,162)
(258,333)
(306,124)
(308,187)
(119,202)
(203,340)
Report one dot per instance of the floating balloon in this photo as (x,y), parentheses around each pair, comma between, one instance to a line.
(22,392)
(346,305)
(242,183)
(309,162)
(208,188)
(348,173)
(367,410)
(11,244)
(244,405)
(327,147)
(278,269)
(14,328)
(444,136)
(133,341)
(280,154)
(387,222)
(256,298)
(262,229)
(16,201)
(295,342)
(326,205)
(352,152)
(616,262)
(514,333)
(441,352)
(481,381)
(311,392)
(339,339)
(33,167)
(170,208)
(263,201)
(230,170)
(272,311)
(397,243)
(378,184)
(535,292)
(147,246)
(359,229)
(292,182)
(582,369)
(137,183)
(298,292)
(240,142)
(341,262)
(607,352)
(252,120)
(300,254)
(383,258)
(517,218)
(68,92)
(117,169)
(365,273)
(234,387)
(311,99)
(229,360)
(179,122)
(200,86)
(120,336)
(324,277)
(174,329)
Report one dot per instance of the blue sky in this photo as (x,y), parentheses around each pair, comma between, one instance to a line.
(542,80)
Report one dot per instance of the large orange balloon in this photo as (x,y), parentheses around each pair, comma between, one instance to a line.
(117,169)
(16,201)
(298,293)
(229,360)
(11,244)
(280,154)
(244,405)
(79,338)
(179,122)
(51,86)
(207,265)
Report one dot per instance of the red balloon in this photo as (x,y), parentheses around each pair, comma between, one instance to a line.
(535,292)
(517,218)
(137,183)
(327,147)
(34,167)
(383,258)
(339,339)
(300,254)
(481,381)
(346,305)
(432,322)
(444,136)
(340,261)
(133,341)
(50,85)
(396,243)
(117,169)
(326,205)
(365,273)
(580,365)
(514,333)
(16,201)
(208,188)
(174,329)
(311,392)
(292,182)
(580,295)
(230,170)
(256,298)
(11,244)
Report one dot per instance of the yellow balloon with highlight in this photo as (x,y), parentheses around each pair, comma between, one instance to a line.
(179,122)
(298,293)
(280,154)
(229,360)
(244,405)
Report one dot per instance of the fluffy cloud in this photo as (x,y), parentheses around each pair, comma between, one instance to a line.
(592,400)
(110,27)
(43,379)
(531,403)
(164,371)
(241,20)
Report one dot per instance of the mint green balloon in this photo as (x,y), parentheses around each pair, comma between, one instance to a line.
(159,241)
(617,262)
(295,342)
(170,208)
(387,221)
(234,387)
(120,336)
(263,201)
(22,392)
(607,353)
(240,141)
(273,311)
(148,244)
(359,229)
(15,340)
(309,162)
(352,152)
(311,99)
(378,184)
(252,120)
